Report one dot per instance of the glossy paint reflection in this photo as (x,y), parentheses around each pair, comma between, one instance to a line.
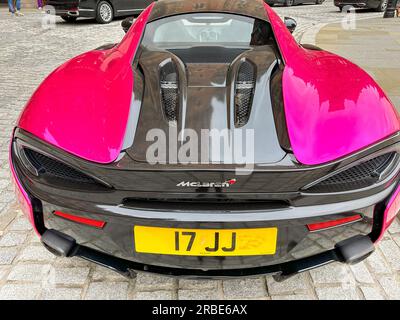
(83,106)
(332,107)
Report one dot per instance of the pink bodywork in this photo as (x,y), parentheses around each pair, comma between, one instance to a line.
(83,106)
(22,196)
(391,212)
(332,107)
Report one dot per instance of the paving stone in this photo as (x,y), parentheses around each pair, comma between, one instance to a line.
(296,284)
(148,282)
(154,295)
(377,263)
(61,293)
(6,217)
(205,294)
(12,291)
(69,276)
(332,273)
(392,253)
(7,197)
(391,285)
(337,293)
(293,297)
(4,271)
(101,273)
(11,239)
(198,284)
(7,255)
(20,224)
(371,293)
(29,272)
(361,273)
(107,291)
(395,227)
(244,288)
(396,239)
(36,253)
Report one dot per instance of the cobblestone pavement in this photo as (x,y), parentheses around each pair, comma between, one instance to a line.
(28,271)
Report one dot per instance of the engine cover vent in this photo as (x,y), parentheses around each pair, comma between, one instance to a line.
(244,92)
(169,84)
(360,176)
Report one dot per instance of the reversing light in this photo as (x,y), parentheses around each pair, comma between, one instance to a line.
(89,222)
(333,223)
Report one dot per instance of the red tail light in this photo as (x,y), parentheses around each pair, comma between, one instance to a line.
(89,222)
(333,223)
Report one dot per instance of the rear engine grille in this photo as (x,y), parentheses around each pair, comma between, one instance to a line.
(245,83)
(360,176)
(55,169)
(169,84)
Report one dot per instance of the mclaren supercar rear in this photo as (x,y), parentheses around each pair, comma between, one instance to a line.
(208,143)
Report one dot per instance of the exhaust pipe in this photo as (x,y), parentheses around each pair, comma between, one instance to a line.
(350,251)
(58,243)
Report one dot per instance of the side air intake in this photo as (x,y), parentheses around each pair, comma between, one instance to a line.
(360,176)
(244,92)
(169,84)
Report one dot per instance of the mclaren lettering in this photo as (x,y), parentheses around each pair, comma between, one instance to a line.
(190,184)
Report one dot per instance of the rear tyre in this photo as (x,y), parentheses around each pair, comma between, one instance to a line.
(104,12)
(288,3)
(68,19)
(382,6)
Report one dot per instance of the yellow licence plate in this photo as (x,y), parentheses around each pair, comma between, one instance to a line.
(205,242)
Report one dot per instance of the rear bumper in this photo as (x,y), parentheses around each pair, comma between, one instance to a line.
(298,249)
(349,251)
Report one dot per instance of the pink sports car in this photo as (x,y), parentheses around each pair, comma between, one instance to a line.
(103,170)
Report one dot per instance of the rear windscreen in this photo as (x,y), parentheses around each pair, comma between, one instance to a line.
(207,29)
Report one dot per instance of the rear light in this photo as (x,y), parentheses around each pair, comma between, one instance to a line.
(333,223)
(89,222)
